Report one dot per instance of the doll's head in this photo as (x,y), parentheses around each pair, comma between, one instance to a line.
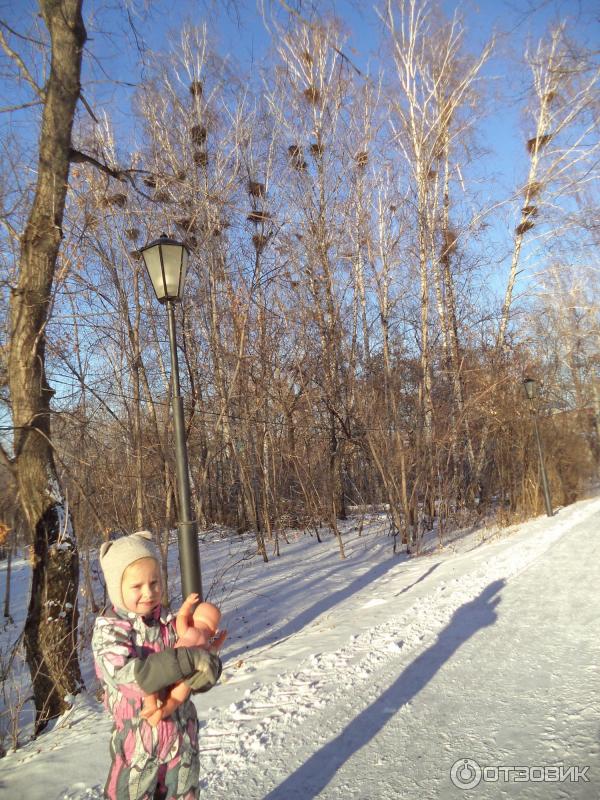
(207,616)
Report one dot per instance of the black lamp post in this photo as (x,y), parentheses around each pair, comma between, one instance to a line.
(166,261)
(531,392)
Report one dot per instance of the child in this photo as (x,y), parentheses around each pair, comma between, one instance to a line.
(194,630)
(134,655)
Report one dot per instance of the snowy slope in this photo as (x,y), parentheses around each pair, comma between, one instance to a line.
(370,678)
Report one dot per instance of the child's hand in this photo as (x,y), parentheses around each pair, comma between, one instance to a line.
(217,642)
(208,670)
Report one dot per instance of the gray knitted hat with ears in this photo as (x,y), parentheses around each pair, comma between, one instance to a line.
(116,556)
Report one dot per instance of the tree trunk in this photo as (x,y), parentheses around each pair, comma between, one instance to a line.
(8,577)
(87,578)
(51,626)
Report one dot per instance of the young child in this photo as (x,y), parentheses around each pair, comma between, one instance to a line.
(197,629)
(134,655)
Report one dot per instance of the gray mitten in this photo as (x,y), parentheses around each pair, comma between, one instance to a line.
(208,670)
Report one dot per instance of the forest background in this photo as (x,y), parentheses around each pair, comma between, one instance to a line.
(384,243)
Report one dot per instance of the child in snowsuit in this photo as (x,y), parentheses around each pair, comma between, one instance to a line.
(134,655)
(197,629)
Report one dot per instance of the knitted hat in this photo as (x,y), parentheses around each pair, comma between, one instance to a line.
(116,556)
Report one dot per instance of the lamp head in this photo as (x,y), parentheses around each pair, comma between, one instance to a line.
(530,387)
(166,261)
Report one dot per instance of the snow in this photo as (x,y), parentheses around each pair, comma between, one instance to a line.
(371,677)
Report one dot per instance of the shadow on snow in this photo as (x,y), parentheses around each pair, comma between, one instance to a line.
(422,578)
(276,635)
(312,777)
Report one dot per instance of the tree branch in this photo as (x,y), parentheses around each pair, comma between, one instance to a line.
(6,460)
(77,157)
(13,233)
(22,68)
(20,35)
(309,24)
(88,108)
(5,109)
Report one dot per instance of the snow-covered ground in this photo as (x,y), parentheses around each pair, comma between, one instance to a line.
(378,676)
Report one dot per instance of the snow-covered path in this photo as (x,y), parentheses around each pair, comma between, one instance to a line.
(508,681)
(510,678)
(370,678)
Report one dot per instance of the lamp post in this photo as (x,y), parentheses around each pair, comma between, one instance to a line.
(166,261)
(531,392)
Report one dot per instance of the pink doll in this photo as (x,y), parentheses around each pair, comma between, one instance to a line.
(199,629)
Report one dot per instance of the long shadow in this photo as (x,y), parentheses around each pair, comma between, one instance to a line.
(335,566)
(324,604)
(312,777)
(422,578)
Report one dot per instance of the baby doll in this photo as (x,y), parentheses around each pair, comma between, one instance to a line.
(193,630)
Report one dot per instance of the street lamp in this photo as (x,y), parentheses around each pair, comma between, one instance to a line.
(531,392)
(166,261)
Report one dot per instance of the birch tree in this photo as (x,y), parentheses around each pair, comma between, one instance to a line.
(563,147)
(316,84)
(430,110)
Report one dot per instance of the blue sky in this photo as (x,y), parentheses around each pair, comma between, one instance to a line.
(115,48)
(115,52)
(241,34)
(122,33)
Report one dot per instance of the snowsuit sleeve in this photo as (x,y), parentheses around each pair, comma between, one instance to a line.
(120,665)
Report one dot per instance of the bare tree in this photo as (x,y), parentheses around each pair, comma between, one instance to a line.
(51,626)
(430,111)
(564,147)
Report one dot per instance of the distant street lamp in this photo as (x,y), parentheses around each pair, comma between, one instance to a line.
(166,261)
(531,392)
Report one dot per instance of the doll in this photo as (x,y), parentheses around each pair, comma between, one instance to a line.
(200,629)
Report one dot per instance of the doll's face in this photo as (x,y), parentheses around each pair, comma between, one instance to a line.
(141,586)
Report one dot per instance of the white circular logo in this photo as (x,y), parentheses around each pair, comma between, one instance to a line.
(465,773)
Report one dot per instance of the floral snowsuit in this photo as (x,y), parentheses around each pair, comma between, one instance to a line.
(143,757)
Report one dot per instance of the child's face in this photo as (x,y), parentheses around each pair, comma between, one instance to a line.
(141,587)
